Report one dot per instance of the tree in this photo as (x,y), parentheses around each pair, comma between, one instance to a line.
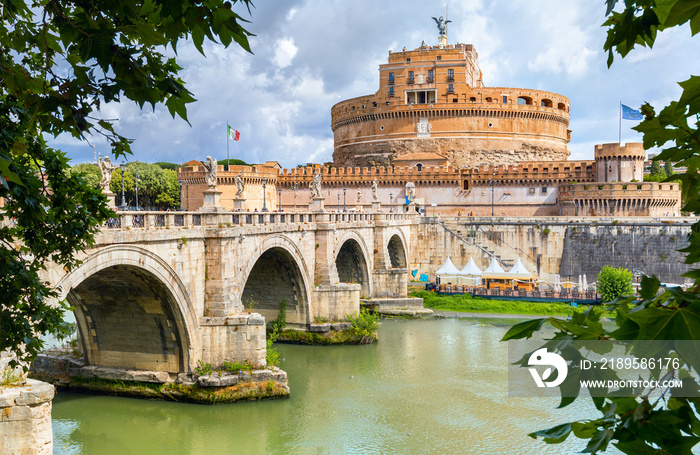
(90,172)
(60,62)
(656,170)
(668,168)
(613,283)
(631,420)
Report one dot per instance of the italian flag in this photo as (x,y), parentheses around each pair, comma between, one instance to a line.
(233,134)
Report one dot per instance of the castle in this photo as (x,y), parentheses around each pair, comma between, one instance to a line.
(433,136)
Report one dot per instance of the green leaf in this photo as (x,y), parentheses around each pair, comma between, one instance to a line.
(524,329)
(553,435)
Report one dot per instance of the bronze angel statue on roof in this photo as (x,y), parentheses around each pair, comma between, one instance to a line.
(441,25)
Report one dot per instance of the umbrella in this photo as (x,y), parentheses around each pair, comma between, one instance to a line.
(580,282)
(585,282)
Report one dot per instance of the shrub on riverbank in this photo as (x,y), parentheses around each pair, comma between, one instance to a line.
(467,303)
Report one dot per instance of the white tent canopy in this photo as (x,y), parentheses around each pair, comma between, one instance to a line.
(493,268)
(448,270)
(519,268)
(471,273)
(471,269)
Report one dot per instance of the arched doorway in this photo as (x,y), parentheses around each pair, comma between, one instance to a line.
(274,277)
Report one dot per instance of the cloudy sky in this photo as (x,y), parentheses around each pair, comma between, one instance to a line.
(311,54)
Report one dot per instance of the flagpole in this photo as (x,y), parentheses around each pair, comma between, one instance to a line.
(228,134)
(619,137)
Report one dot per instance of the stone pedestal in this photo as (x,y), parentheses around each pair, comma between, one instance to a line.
(212,201)
(239,204)
(376,206)
(442,41)
(111,199)
(358,208)
(25,426)
(316,204)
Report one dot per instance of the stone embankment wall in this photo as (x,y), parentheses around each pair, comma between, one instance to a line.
(547,246)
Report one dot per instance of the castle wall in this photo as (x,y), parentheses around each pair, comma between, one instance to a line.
(567,247)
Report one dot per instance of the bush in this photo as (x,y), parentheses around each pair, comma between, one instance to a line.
(613,283)
(364,325)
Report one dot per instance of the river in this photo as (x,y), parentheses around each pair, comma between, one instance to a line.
(428,386)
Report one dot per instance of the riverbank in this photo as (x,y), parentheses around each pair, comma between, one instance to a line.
(467,306)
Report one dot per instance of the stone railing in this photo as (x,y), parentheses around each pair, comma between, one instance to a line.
(169,220)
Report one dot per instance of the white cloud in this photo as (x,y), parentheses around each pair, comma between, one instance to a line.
(285,52)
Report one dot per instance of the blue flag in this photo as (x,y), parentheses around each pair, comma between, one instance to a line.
(631,114)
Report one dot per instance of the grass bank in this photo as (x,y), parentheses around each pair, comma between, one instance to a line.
(468,304)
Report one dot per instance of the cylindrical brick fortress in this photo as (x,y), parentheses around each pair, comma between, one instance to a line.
(432,99)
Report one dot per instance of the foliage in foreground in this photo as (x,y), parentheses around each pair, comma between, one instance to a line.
(614,282)
(632,422)
(60,63)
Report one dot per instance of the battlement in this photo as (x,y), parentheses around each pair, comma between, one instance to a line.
(631,150)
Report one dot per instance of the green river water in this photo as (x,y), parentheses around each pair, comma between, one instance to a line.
(428,386)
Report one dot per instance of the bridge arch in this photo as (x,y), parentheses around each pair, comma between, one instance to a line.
(396,250)
(352,262)
(132,311)
(276,271)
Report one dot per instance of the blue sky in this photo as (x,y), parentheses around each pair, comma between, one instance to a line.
(311,54)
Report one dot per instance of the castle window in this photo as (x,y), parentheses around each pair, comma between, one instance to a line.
(450,88)
(408,60)
(410,77)
(439,57)
(391,91)
(544,190)
(505,99)
(419,166)
(561,106)
(466,185)
(430,76)
(450,75)
(489,99)
(391,78)
(546,103)
(455,100)
(472,99)
(524,100)
(374,104)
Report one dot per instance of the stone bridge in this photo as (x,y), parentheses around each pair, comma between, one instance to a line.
(161,291)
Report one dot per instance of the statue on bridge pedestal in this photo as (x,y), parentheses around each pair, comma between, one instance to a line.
(210,166)
(375,198)
(315,186)
(106,168)
(240,187)
(359,196)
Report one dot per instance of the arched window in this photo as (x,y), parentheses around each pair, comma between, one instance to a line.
(546,103)
(524,100)
(561,106)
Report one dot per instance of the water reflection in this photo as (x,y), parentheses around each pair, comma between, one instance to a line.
(428,387)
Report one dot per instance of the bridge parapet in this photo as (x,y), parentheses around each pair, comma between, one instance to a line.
(159,220)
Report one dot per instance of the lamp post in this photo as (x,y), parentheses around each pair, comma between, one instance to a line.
(279,199)
(181,195)
(391,202)
(137,192)
(264,181)
(123,204)
(344,191)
